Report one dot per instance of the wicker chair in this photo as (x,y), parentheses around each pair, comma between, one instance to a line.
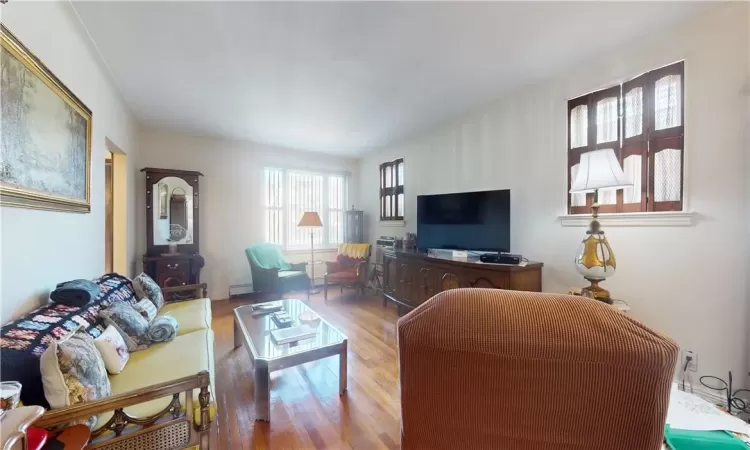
(493,369)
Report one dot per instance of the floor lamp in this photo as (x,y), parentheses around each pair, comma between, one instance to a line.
(311,220)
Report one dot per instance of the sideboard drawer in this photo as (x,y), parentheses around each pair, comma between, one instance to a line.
(173,273)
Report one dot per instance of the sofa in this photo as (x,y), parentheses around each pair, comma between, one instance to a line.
(163,398)
(495,369)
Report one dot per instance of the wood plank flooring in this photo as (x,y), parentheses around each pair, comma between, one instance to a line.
(306,410)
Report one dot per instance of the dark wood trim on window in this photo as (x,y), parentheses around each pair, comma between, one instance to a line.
(668,138)
(638,144)
(649,142)
(574,154)
(390,194)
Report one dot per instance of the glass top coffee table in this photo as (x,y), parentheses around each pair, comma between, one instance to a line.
(266,356)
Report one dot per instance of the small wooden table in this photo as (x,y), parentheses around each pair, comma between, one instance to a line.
(266,356)
(617,304)
(74,437)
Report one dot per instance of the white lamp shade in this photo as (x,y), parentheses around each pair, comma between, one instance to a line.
(599,170)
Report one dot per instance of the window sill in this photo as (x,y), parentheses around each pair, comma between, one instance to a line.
(300,251)
(392,223)
(639,219)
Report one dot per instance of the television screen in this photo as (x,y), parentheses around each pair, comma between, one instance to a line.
(464,221)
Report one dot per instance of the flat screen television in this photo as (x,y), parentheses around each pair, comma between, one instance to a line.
(464,221)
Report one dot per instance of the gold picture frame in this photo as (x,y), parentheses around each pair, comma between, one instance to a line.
(41,168)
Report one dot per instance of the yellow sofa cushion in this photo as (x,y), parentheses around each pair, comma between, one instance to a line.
(192,315)
(186,355)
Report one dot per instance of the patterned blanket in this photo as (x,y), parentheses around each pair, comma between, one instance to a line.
(23,341)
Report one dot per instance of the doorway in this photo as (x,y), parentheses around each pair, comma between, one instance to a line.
(116,210)
(108,213)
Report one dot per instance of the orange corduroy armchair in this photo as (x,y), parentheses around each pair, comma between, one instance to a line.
(494,369)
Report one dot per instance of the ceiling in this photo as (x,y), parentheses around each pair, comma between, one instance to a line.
(340,77)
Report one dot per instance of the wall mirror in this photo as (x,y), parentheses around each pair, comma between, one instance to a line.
(172,200)
(173,211)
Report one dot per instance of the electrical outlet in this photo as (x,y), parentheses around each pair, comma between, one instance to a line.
(693,364)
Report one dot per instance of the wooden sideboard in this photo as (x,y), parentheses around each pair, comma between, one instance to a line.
(173,271)
(411,278)
(172,220)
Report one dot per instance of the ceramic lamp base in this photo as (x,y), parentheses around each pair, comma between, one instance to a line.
(596,292)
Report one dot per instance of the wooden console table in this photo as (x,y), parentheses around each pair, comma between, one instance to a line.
(411,278)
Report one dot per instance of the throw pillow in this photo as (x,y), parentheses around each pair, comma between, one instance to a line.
(131,325)
(113,349)
(147,309)
(163,329)
(145,286)
(73,372)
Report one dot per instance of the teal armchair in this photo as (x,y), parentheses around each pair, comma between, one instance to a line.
(272,273)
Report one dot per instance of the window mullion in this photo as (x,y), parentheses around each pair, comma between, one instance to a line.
(620,133)
(326,212)
(286,192)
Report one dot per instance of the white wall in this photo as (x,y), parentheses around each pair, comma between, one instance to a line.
(231,196)
(41,248)
(687,282)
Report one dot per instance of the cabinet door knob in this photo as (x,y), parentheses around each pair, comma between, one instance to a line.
(172,266)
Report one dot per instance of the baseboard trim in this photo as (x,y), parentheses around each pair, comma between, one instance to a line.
(705,393)
(240,289)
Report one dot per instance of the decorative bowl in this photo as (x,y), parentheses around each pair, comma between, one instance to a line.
(10,395)
(309,318)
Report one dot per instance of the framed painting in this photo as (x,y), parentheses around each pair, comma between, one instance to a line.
(45,136)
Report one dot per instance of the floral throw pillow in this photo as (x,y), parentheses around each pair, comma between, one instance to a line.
(113,349)
(73,372)
(145,286)
(131,325)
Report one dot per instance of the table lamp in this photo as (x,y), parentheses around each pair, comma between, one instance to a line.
(595,259)
(311,220)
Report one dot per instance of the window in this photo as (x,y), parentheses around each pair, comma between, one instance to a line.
(643,121)
(392,190)
(289,193)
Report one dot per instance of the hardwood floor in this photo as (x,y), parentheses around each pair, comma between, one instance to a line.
(306,409)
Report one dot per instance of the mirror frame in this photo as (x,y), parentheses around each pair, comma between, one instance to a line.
(153,177)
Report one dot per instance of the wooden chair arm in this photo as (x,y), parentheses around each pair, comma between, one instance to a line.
(85,410)
(198,290)
(15,422)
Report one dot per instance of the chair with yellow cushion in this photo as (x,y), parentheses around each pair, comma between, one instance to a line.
(349,269)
